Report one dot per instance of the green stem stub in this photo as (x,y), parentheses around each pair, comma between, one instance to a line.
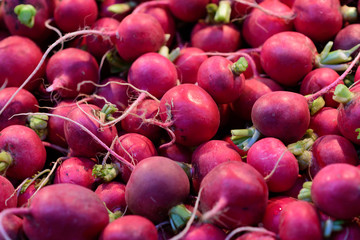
(245,138)
(239,66)
(337,56)
(223,12)
(358,131)
(121,8)
(106,112)
(5,160)
(179,216)
(26,14)
(330,226)
(349,14)
(305,192)
(38,123)
(317,105)
(211,9)
(107,173)
(342,94)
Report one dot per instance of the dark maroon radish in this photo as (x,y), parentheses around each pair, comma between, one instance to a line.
(27,18)
(21,157)
(72,15)
(208,155)
(138,34)
(108,8)
(335,190)
(330,149)
(233,195)
(134,122)
(298,221)
(348,37)
(275,162)
(130,227)
(239,10)
(221,79)
(23,102)
(98,45)
(259,26)
(113,195)
(69,67)
(18,58)
(76,170)
(154,73)
(204,231)
(134,148)
(318,79)
(188,10)
(349,232)
(13,227)
(255,236)
(319,27)
(162,182)
(176,152)
(80,142)
(324,122)
(194,115)
(188,63)
(281,114)
(7,189)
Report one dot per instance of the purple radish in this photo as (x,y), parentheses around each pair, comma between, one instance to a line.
(255,236)
(348,37)
(239,10)
(7,189)
(176,152)
(324,122)
(13,227)
(113,195)
(188,10)
(25,196)
(204,231)
(349,232)
(69,67)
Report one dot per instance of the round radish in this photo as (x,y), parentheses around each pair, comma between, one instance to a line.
(324,122)
(7,189)
(188,10)
(255,236)
(113,195)
(348,37)
(204,231)
(13,227)
(176,152)
(106,9)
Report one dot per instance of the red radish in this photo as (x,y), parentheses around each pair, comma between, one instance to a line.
(69,67)
(239,10)
(159,180)
(298,221)
(188,63)
(296,188)
(324,122)
(207,156)
(7,189)
(23,102)
(113,195)
(18,58)
(71,15)
(25,196)
(21,157)
(76,171)
(204,232)
(134,148)
(130,227)
(79,142)
(335,190)
(176,152)
(259,26)
(234,194)
(154,73)
(185,99)
(348,37)
(281,114)
(256,236)
(188,10)
(108,8)
(13,227)
(273,160)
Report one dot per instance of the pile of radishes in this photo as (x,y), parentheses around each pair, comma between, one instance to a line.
(179,119)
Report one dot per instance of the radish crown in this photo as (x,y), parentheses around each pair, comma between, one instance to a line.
(26,14)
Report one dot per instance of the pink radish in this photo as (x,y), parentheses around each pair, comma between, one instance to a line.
(324,122)
(113,195)
(13,227)
(7,189)
(188,11)
(176,152)
(204,232)
(348,37)
(255,236)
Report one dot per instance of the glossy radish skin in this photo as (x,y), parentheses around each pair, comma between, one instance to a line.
(332,149)
(113,195)
(255,236)
(6,190)
(348,119)
(324,122)
(25,196)
(348,37)
(176,152)
(156,185)
(283,115)
(264,156)
(189,99)
(335,190)
(205,231)
(188,11)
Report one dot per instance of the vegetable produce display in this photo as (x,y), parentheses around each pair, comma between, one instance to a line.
(180,119)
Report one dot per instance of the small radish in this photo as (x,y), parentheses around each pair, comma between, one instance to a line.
(205,231)
(348,37)
(255,236)
(188,10)
(349,232)
(113,195)
(176,152)
(324,122)
(13,227)
(117,9)
(7,189)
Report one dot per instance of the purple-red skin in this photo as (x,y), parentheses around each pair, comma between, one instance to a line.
(147,109)
(239,10)
(19,56)
(318,79)
(348,37)
(81,143)
(296,188)
(255,236)
(249,72)
(240,151)
(103,9)
(98,45)
(134,148)
(204,231)
(274,208)
(69,67)
(265,154)
(207,156)
(188,10)
(65,206)
(76,170)
(349,232)
(330,149)
(335,190)
(23,198)
(299,220)
(139,33)
(216,77)
(28,152)
(23,102)
(154,73)
(259,26)
(318,27)
(243,190)
(216,38)
(156,185)
(2,13)
(324,122)
(188,63)
(348,119)
(287,57)
(176,152)
(13,227)
(281,114)
(113,195)
(194,113)
(7,189)
(72,15)
(130,227)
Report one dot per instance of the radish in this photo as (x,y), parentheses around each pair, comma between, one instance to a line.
(13,227)
(188,10)
(324,122)
(204,231)
(117,9)
(130,227)
(21,157)
(255,236)
(6,198)
(24,196)
(176,152)
(113,195)
(159,180)
(239,10)
(348,37)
